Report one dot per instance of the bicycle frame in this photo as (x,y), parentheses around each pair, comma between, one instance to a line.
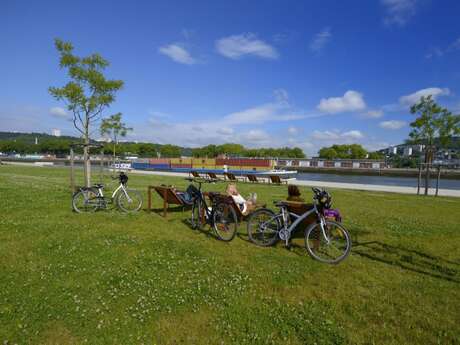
(285,214)
(202,200)
(120,187)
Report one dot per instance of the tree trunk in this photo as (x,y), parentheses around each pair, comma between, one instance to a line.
(72,171)
(86,158)
(427,169)
(419,180)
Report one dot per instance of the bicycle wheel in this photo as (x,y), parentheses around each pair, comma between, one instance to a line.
(332,249)
(85,200)
(263,227)
(224,221)
(197,215)
(131,201)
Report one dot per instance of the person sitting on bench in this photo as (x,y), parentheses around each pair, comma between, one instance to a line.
(185,197)
(294,194)
(245,205)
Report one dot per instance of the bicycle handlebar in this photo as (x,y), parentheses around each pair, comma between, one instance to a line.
(118,176)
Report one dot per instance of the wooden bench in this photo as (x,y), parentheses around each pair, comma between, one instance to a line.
(275,179)
(232,177)
(212,176)
(195,174)
(253,178)
(169,196)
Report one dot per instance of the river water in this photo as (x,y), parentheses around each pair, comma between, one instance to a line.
(378,180)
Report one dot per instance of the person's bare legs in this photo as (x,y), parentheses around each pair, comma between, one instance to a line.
(250,206)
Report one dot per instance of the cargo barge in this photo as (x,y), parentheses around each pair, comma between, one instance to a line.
(237,166)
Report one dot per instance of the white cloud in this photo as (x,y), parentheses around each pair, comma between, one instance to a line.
(232,127)
(255,136)
(237,46)
(351,101)
(337,136)
(305,145)
(373,145)
(373,114)
(320,40)
(281,96)
(354,134)
(399,11)
(225,131)
(325,135)
(438,52)
(177,53)
(31,118)
(392,124)
(434,52)
(188,34)
(413,98)
(158,114)
(293,130)
(59,112)
(270,112)
(454,45)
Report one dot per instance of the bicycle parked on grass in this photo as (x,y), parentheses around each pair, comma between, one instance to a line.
(91,199)
(220,215)
(325,240)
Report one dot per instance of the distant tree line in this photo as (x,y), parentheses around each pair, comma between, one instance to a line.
(60,146)
(353,151)
(47,144)
(238,150)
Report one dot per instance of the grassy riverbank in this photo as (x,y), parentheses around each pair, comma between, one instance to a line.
(110,278)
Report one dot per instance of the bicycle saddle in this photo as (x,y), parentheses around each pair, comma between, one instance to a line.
(98,185)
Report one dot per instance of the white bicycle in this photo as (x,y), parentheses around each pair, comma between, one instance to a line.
(91,199)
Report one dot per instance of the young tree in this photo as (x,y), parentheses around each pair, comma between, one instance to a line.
(87,94)
(433,124)
(114,128)
(353,151)
(328,153)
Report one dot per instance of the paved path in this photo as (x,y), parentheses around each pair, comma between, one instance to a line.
(355,186)
(378,188)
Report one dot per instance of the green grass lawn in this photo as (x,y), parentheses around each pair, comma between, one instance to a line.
(111,278)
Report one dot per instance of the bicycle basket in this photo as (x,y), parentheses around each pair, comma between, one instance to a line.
(123,178)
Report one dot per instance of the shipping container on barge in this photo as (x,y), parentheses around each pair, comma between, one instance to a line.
(237,166)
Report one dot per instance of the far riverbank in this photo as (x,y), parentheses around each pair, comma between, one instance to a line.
(445,174)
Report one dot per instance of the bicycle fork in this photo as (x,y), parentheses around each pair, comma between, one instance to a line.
(284,233)
(126,194)
(323,230)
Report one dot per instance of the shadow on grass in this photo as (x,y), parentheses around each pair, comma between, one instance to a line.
(205,230)
(242,231)
(409,259)
(159,211)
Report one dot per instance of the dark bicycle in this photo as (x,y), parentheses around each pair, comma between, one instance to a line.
(220,214)
(325,240)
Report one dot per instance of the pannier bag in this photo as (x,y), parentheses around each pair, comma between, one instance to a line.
(333,214)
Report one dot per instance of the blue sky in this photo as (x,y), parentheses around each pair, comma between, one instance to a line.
(260,73)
